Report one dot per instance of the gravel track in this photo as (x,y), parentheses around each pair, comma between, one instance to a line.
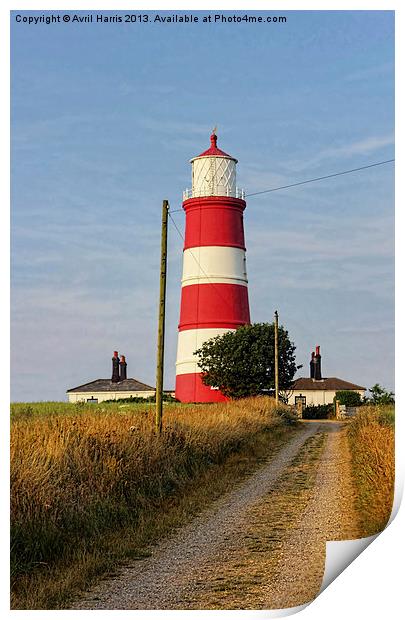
(171,574)
(329,515)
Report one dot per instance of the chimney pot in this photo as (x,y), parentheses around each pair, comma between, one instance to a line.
(123,368)
(317,365)
(312,366)
(115,377)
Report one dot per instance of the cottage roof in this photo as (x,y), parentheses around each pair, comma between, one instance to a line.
(328,383)
(106,385)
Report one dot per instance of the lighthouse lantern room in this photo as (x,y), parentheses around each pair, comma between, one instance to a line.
(214,294)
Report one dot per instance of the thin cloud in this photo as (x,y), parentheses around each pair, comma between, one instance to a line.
(358,240)
(364,147)
(361,147)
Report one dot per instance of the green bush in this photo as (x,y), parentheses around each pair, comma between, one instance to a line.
(317,412)
(348,398)
(381,396)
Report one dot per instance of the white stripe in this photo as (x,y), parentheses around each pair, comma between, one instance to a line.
(189,341)
(215,264)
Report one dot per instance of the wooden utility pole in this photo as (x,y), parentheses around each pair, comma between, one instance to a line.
(161,323)
(276,355)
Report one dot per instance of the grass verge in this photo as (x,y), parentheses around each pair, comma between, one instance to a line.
(95,487)
(371,440)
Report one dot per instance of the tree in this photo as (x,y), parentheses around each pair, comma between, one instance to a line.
(381,396)
(348,398)
(241,363)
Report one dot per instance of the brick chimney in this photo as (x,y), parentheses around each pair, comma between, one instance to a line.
(115,377)
(317,365)
(123,368)
(312,365)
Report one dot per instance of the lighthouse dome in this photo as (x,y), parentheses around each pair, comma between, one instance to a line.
(213,173)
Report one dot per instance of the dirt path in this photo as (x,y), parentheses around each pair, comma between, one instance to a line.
(329,515)
(259,547)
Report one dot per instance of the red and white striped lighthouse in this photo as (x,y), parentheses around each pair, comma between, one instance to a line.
(214,294)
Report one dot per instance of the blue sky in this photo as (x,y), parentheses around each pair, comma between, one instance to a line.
(105,118)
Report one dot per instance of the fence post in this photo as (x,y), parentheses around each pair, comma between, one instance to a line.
(337,410)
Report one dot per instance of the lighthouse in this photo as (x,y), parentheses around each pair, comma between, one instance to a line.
(214,286)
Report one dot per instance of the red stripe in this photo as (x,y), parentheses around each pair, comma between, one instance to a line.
(213,325)
(215,220)
(214,305)
(191,389)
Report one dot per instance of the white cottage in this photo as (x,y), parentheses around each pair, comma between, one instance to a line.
(116,388)
(318,390)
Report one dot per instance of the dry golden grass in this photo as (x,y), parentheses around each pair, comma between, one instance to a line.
(371,435)
(81,475)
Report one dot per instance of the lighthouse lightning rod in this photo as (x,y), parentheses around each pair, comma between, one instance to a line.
(161,321)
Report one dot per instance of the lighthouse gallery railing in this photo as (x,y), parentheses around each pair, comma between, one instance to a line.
(189,193)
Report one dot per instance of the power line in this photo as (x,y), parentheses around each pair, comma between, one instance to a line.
(275,189)
(327,176)
(174,223)
(213,284)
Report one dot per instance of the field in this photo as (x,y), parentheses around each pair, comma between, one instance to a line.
(371,438)
(94,487)
(92,484)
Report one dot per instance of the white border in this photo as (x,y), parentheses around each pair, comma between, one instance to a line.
(372,586)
